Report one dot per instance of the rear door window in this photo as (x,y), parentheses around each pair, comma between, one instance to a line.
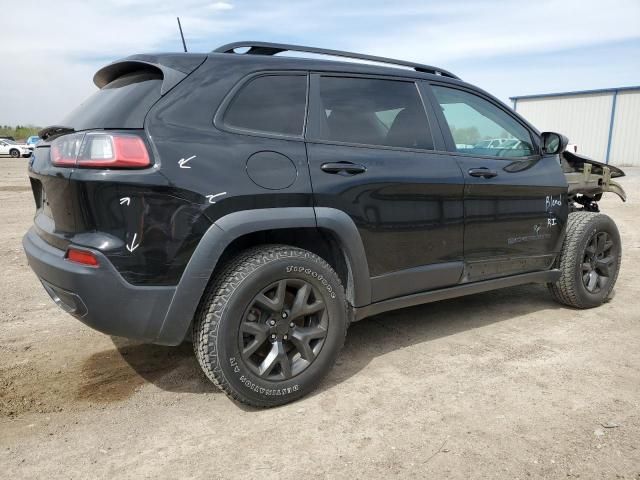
(372,112)
(270,104)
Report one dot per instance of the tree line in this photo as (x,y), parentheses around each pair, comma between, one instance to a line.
(19,132)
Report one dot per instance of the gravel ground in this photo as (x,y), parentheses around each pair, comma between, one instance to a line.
(500,385)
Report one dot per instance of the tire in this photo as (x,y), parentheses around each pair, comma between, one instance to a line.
(589,261)
(14,153)
(242,312)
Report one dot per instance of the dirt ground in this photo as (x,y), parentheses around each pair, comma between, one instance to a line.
(500,385)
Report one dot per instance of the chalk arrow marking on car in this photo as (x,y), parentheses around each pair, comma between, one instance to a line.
(182,161)
(126,200)
(212,197)
(133,243)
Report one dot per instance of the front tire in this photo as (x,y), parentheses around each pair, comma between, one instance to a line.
(271,325)
(589,261)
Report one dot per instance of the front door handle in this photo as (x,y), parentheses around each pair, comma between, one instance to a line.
(483,172)
(343,168)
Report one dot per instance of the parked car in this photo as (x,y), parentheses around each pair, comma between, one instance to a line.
(31,141)
(494,143)
(259,204)
(15,149)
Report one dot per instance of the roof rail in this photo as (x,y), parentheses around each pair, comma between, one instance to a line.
(267,48)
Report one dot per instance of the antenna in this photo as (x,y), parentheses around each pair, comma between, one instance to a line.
(184,45)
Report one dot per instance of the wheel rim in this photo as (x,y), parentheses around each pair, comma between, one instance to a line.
(283,329)
(599,262)
(15,153)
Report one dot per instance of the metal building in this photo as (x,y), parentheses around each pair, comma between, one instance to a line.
(604,124)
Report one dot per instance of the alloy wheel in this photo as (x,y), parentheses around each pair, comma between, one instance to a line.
(599,262)
(283,329)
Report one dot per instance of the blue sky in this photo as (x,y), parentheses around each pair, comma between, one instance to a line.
(506,47)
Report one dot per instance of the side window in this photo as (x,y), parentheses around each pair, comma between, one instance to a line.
(479,127)
(270,104)
(372,112)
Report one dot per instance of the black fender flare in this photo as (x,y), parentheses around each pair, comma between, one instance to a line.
(346,233)
(226,229)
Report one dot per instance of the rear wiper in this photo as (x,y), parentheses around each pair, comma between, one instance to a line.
(54,131)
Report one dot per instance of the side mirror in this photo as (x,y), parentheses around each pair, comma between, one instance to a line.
(553,143)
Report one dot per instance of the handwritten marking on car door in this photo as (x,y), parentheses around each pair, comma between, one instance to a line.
(133,245)
(212,198)
(182,162)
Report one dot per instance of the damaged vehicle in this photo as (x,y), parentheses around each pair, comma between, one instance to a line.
(257,204)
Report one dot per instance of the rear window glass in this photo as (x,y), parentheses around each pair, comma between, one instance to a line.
(270,104)
(123,103)
(373,112)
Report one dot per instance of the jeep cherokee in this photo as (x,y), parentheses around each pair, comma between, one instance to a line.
(260,203)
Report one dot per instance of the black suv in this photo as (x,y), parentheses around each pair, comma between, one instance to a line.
(260,203)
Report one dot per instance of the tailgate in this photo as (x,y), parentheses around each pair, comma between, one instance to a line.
(54,219)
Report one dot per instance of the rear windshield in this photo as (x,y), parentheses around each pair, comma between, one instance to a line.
(123,103)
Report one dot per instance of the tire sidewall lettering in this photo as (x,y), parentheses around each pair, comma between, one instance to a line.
(314,275)
(228,349)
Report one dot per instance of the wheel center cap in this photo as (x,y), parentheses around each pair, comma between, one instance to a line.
(281,327)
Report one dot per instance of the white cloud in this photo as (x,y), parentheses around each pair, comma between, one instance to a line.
(55,51)
(491,28)
(220,6)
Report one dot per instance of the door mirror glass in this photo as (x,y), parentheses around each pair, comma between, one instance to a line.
(553,143)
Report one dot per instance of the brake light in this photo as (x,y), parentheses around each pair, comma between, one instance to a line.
(100,150)
(82,256)
(64,150)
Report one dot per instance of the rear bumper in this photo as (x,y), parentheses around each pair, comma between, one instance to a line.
(99,296)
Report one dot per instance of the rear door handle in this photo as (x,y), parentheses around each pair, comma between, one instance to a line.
(343,168)
(483,172)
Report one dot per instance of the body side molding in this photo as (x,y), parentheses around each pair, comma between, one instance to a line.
(548,276)
(416,279)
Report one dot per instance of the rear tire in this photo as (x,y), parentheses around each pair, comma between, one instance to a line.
(271,325)
(589,261)
(14,153)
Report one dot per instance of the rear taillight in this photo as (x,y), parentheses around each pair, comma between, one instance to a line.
(100,150)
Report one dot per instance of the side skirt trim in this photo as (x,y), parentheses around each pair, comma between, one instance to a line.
(548,276)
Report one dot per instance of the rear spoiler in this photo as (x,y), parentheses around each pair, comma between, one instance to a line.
(173,66)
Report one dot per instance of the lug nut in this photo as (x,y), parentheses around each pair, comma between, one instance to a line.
(285,337)
(285,314)
(291,325)
(272,322)
(273,336)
